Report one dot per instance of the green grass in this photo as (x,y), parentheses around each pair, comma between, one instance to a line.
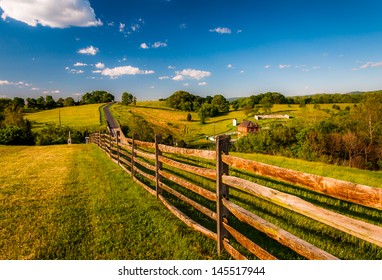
(72,202)
(165,120)
(80,117)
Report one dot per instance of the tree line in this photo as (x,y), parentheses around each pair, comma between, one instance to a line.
(15,130)
(48,102)
(205,106)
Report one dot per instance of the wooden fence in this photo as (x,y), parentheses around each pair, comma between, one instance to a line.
(151,166)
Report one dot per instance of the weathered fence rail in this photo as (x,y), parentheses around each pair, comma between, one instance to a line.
(155,167)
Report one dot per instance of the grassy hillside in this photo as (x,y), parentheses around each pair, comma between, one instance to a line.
(72,202)
(81,117)
(165,120)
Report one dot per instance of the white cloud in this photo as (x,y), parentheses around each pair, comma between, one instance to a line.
(19,84)
(100,65)
(51,91)
(122,27)
(371,64)
(159,44)
(51,13)
(283,66)
(124,70)
(164,78)
(74,71)
(267,66)
(186,84)
(229,66)
(178,78)
(183,26)
(153,45)
(144,46)
(97,71)
(79,64)
(35,89)
(221,30)
(191,74)
(5,82)
(89,50)
(171,67)
(202,84)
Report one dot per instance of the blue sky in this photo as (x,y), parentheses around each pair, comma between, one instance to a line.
(152,48)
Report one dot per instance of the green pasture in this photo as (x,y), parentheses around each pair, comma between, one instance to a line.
(80,117)
(73,202)
(166,120)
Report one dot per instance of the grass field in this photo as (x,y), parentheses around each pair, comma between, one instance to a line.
(80,117)
(165,120)
(72,202)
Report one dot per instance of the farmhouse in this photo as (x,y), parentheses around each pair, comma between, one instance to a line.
(247,127)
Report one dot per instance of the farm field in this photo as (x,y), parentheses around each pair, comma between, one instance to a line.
(80,117)
(72,202)
(165,120)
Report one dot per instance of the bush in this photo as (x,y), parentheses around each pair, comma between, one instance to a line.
(16,135)
(53,134)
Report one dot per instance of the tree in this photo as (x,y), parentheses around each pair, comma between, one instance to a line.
(60,102)
(40,102)
(127,98)
(49,102)
(19,102)
(182,100)
(69,101)
(189,117)
(97,96)
(207,110)
(31,103)
(221,103)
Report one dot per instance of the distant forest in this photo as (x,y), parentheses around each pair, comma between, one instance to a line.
(47,102)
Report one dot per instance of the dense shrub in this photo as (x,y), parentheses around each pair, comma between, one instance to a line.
(54,134)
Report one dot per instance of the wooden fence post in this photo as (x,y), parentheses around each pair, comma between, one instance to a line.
(110,143)
(222,145)
(133,154)
(118,153)
(99,138)
(158,164)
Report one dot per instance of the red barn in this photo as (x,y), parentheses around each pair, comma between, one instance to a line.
(247,127)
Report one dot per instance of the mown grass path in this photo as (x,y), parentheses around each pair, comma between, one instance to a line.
(72,202)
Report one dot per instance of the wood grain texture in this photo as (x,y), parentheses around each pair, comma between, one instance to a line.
(357,228)
(360,194)
(249,244)
(285,238)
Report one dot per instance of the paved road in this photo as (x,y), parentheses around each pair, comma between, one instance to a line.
(113,124)
(111,121)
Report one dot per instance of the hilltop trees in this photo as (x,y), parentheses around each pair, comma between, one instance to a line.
(97,96)
(206,107)
(128,98)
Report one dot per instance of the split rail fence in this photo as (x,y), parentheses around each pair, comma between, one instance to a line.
(158,168)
